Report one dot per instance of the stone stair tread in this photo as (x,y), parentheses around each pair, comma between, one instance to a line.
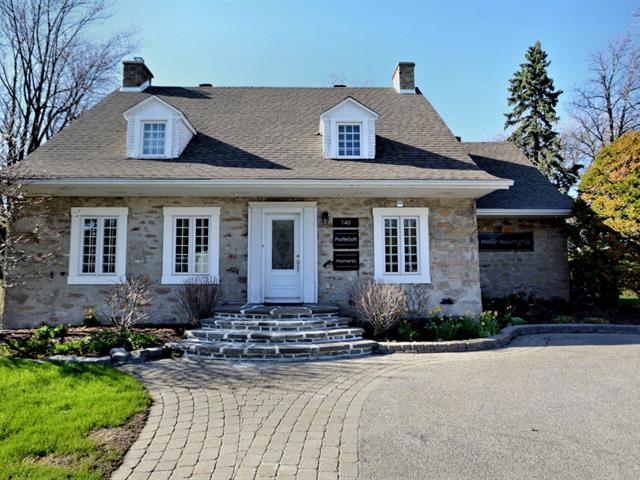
(274,351)
(276,324)
(273,336)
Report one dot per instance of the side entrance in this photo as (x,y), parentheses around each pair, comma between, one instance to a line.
(283,252)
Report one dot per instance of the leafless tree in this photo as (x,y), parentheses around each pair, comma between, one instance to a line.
(380,305)
(608,104)
(51,68)
(197,298)
(126,302)
(341,79)
(27,240)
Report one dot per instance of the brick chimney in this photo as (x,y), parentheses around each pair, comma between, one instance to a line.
(135,74)
(403,79)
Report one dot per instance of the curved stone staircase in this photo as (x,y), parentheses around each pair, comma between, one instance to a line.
(264,332)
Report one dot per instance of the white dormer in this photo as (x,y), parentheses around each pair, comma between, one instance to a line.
(155,129)
(348,130)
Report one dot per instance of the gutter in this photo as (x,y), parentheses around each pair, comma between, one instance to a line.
(498,184)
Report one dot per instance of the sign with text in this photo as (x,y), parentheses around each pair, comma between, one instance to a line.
(496,242)
(346,239)
(345,223)
(346,261)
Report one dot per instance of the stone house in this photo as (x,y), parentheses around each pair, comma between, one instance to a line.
(286,195)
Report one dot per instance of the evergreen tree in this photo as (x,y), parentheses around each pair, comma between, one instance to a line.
(534,100)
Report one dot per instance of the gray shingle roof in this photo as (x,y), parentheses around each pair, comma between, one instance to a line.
(260,133)
(531,189)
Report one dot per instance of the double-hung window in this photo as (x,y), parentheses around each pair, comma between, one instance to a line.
(349,140)
(190,243)
(153,139)
(98,246)
(401,245)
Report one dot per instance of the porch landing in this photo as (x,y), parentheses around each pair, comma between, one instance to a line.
(275,332)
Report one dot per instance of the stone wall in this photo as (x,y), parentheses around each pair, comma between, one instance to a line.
(47,297)
(544,271)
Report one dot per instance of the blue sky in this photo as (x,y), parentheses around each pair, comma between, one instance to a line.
(465,51)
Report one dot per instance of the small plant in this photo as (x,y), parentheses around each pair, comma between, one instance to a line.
(489,323)
(197,298)
(597,320)
(41,343)
(469,327)
(73,347)
(407,331)
(102,342)
(563,319)
(381,305)
(90,319)
(126,301)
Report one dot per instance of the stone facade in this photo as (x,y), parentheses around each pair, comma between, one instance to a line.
(544,271)
(47,297)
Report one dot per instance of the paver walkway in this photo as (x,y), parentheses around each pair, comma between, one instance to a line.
(219,420)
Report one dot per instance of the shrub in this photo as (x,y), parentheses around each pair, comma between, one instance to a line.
(381,305)
(197,298)
(417,301)
(407,331)
(73,347)
(102,342)
(563,319)
(41,343)
(125,302)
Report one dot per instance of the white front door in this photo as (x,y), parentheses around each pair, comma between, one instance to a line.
(283,249)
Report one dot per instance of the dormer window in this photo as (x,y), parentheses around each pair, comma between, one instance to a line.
(349,140)
(348,130)
(153,139)
(156,129)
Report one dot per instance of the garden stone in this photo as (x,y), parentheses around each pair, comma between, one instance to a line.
(120,357)
(117,350)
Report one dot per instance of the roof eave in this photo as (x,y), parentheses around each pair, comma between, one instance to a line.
(268,188)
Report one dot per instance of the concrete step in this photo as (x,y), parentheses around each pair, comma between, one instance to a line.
(271,324)
(279,336)
(273,351)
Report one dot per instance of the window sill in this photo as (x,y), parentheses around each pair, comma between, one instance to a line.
(95,279)
(180,279)
(404,279)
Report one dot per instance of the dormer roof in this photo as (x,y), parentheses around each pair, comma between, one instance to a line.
(146,103)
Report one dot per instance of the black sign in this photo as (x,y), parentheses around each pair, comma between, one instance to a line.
(345,223)
(346,260)
(494,242)
(345,239)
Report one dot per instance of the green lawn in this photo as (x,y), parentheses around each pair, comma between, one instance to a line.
(48,410)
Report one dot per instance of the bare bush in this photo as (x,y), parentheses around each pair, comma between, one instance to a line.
(197,297)
(417,301)
(126,302)
(380,305)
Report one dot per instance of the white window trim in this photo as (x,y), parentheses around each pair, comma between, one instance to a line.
(168,133)
(170,213)
(337,137)
(424,273)
(76,277)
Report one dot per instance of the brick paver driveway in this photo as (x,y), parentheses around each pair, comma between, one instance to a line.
(218,420)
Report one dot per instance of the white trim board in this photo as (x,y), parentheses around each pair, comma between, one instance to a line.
(267,188)
(523,212)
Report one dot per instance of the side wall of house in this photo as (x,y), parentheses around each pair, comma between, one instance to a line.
(543,271)
(46,296)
